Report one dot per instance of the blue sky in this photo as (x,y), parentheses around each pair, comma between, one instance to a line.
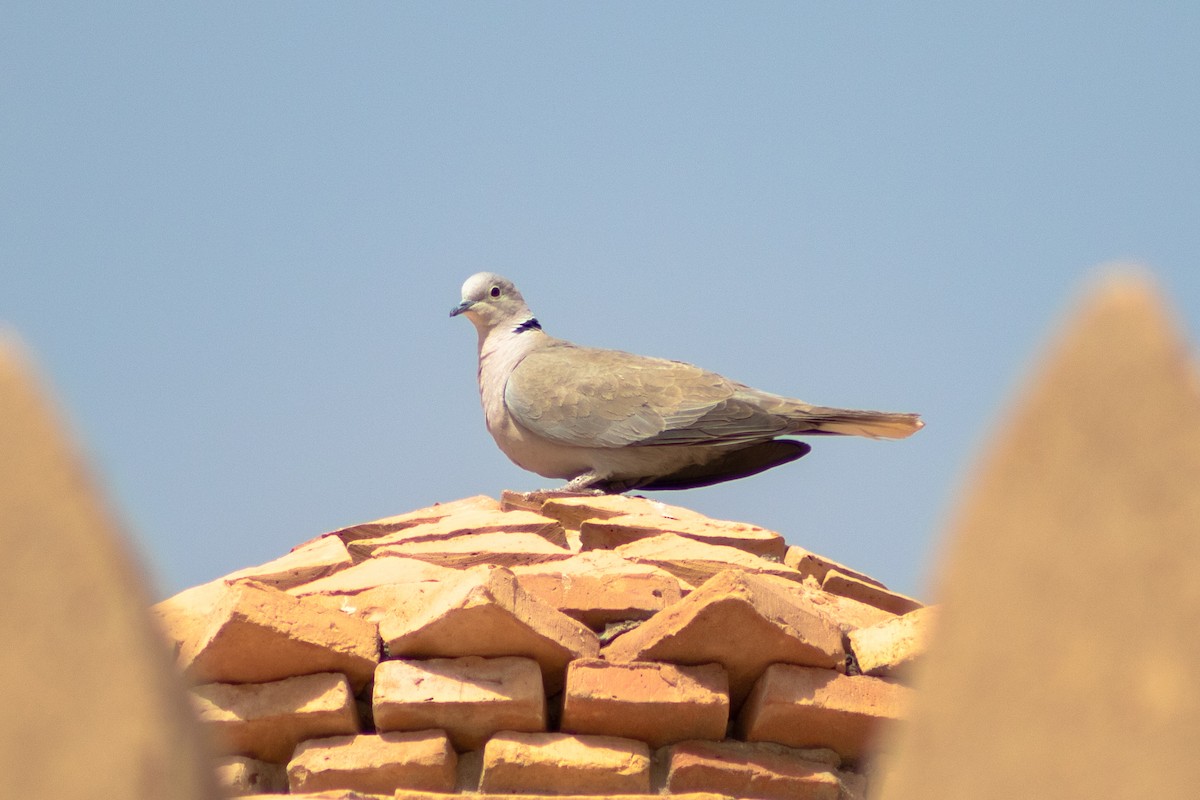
(231,233)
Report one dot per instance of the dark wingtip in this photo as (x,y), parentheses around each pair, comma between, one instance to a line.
(740,463)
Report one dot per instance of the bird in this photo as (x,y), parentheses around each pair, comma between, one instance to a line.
(609,421)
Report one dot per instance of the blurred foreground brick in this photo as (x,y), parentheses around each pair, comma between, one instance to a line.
(90,704)
(1064,659)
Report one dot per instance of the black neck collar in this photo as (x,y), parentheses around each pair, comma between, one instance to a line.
(530,324)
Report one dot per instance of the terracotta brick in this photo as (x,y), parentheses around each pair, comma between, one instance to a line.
(187,613)
(694,562)
(486,613)
(421,516)
(739,621)
(377,572)
(238,775)
(656,703)
(470,698)
(559,763)
(257,633)
(306,562)
(403,794)
(808,563)
(504,549)
(185,616)
(511,500)
(847,613)
(266,720)
(610,533)
(848,586)
(572,511)
(891,648)
(372,605)
(738,769)
(371,589)
(470,522)
(600,587)
(807,707)
(380,763)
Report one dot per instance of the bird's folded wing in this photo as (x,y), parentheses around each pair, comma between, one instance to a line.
(607,398)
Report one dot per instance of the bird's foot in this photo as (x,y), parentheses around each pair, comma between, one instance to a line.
(589,483)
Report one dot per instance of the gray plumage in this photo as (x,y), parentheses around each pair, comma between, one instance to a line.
(614,421)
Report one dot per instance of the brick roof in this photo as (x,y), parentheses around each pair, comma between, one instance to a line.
(543,644)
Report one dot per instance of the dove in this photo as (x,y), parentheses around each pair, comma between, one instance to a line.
(608,421)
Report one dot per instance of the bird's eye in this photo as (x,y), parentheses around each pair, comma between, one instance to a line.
(495,291)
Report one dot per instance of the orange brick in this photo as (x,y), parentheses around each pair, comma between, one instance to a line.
(266,720)
(469,522)
(558,763)
(807,707)
(739,621)
(371,589)
(891,648)
(849,586)
(404,794)
(694,562)
(809,563)
(399,522)
(378,763)
(600,587)
(573,511)
(738,769)
(847,613)
(238,775)
(185,616)
(505,549)
(470,698)
(656,703)
(377,572)
(257,633)
(611,533)
(486,613)
(307,562)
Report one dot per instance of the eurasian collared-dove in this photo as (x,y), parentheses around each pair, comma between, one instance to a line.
(613,421)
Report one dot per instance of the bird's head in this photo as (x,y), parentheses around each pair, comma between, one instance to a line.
(491,301)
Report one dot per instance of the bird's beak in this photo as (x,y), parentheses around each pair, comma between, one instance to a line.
(465,305)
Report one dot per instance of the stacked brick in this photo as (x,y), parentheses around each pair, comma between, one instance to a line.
(559,646)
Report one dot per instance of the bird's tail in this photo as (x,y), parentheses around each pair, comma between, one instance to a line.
(849,422)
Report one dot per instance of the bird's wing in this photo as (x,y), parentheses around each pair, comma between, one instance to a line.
(588,397)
